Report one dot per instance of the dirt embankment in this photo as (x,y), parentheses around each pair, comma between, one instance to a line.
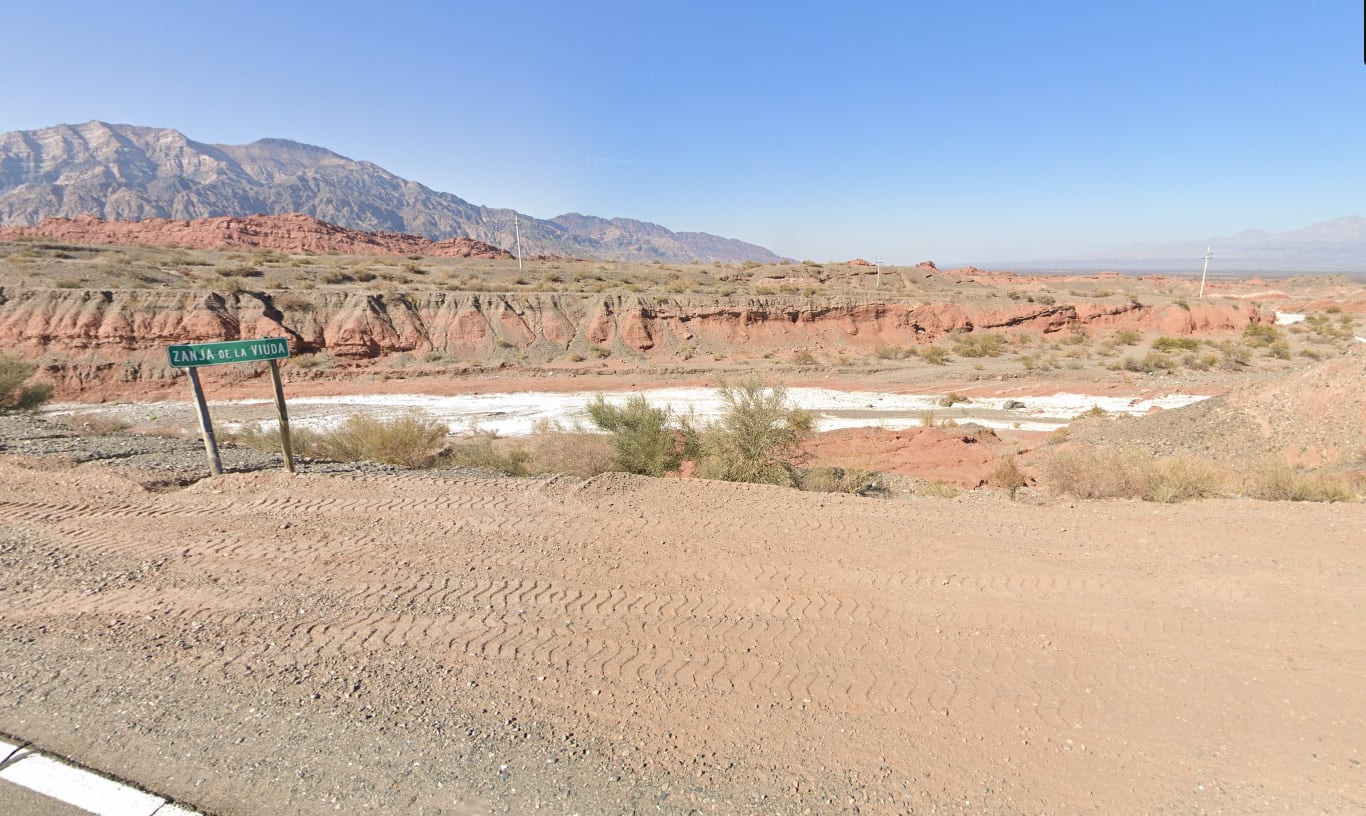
(93,338)
(1312,417)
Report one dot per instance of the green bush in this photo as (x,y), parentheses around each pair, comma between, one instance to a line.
(643,438)
(980,345)
(1176,344)
(1261,335)
(759,438)
(935,355)
(14,395)
(1152,362)
(893,352)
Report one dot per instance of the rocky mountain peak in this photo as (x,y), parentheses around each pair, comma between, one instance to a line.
(129,173)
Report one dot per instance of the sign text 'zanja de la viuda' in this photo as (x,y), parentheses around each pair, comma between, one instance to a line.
(233,351)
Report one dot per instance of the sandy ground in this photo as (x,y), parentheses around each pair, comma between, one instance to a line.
(262,644)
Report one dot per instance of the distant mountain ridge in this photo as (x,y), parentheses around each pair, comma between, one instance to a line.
(131,173)
(1336,245)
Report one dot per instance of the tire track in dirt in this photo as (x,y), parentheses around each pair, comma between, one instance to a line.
(842,636)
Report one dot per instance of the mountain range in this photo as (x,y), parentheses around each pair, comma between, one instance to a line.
(1337,245)
(129,173)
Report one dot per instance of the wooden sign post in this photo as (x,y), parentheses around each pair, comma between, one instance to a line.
(193,355)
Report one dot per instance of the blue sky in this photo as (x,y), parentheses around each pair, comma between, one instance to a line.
(962,132)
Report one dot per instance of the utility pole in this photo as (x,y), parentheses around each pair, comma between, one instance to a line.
(1204,272)
(879,272)
(517,227)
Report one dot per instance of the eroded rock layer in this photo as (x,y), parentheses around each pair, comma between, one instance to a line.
(121,336)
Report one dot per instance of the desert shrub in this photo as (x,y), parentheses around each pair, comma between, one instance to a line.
(1151,362)
(1111,474)
(1278,481)
(802,357)
(1126,337)
(643,437)
(839,480)
(96,423)
(484,450)
(1260,335)
(239,271)
(1200,362)
(979,345)
(411,439)
(1232,355)
(1179,478)
(1008,476)
(937,490)
(893,352)
(758,438)
(1176,344)
(556,449)
(322,360)
(14,395)
(302,441)
(935,355)
(290,302)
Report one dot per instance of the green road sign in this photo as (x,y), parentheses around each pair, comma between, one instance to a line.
(190,355)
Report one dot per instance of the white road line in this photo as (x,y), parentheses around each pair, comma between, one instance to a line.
(79,788)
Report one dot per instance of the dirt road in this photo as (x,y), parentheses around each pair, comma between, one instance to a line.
(264,644)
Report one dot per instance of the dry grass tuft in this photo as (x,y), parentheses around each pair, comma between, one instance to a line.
(556,449)
(411,439)
(1275,480)
(937,490)
(485,451)
(1008,476)
(857,481)
(1111,474)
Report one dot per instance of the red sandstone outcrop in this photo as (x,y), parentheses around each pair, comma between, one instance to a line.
(95,336)
(284,233)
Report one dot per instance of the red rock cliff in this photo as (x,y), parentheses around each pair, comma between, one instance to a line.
(121,336)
